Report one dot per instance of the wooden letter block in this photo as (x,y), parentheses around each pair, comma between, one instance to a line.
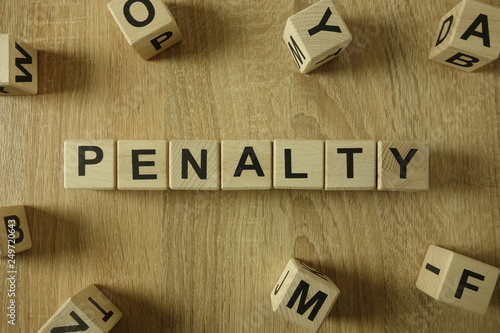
(15,233)
(142,165)
(457,280)
(89,165)
(148,25)
(468,36)
(299,164)
(194,165)
(350,165)
(87,311)
(403,166)
(316,35)
(18,67)
(303,295)
(246,165)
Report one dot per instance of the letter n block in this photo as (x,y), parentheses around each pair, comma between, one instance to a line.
(15,233)
(18,67)
(316,35)
(303,295)
(468,36)
(458,280)
(148,25)
(87,311)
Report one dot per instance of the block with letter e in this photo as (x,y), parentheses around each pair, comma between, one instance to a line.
(148,25)
(18,67)
(87,311)
(15,235)
(316,35)
(303,295)
(468,37)
(458,280)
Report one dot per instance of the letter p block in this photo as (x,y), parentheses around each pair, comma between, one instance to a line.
(303,295)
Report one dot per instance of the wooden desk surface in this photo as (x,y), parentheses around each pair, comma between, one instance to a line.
(177,261)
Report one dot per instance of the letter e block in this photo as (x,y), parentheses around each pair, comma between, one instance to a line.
(458,280)
(316,35)
(148,25)
(303,295)
(468,36)
(15,233)
(87,311)
(18,67)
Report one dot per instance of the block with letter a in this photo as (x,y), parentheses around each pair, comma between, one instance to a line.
(303,295)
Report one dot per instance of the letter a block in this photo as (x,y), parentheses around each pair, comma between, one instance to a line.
(15,234)
(316,35)
(18,67)
(458,280)
(303,295)
(468,36)
(87,311)
(148,25)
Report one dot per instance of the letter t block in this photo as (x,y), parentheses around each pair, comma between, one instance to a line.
(458,280)
(303,295)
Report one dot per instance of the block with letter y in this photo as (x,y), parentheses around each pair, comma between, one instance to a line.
(18,67)
(303,295)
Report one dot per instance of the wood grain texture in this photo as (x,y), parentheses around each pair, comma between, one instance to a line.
(186,261)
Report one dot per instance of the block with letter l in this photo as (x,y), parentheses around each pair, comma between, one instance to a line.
(303,295)
(18,67)
(468,37)
(87,311)
(458,280)
(15,233)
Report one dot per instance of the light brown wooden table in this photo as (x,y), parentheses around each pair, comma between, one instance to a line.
(177,261)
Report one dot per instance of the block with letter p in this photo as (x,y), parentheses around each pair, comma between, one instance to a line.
(303,295)
(458,280)
(316,35)
(18,67)
(16,237)
(468,36)
(148,25)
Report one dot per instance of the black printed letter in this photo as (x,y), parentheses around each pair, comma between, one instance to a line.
(82,161)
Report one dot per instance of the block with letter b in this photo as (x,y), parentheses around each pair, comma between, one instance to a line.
(458,280)
(15,236)
(316,35)
(468,36)
(303,295)
(148,25)
(87,311)
(18,67)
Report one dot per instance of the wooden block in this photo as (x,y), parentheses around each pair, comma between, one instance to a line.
(194,165)
(148,25)
(18,67)
(87,311)
(468,36)
(303,295)
(316,35)
(403,166)
(15,233)
(89,165)
(246,165)
(299,164)
(142,165)
(350,165)
(457,280)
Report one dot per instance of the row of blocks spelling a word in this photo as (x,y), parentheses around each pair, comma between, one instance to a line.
(246,165)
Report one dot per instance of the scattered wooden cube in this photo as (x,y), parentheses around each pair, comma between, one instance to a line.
(403,166)
(87,311)
(18,67)
(316,35)
(15,236)
(457,280)
(89,165)
(468,36)
(142,165)
(148,25)
(299,164)
(194,165)
(246,165)
(303,295)
(350,165)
